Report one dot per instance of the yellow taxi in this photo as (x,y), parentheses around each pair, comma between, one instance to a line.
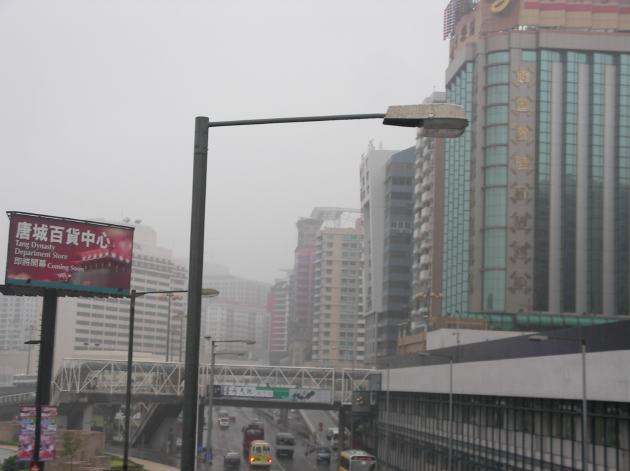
(260,454)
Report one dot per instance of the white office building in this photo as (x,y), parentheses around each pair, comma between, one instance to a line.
(86,325)
(19,321)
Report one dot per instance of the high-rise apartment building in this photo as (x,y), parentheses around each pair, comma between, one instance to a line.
(301,296)
(427,210)
(300,333)
(278,310)
(387,209)
(95,324)
(338,338)
(537,191)
(239,312)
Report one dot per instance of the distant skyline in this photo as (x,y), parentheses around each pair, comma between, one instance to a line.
(99,100)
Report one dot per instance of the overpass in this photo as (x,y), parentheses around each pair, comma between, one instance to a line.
(235,385)
(157,389)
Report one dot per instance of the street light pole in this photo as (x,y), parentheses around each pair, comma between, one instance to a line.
(437,119)
(582,343)
(449,440)
(132,316)
(195,276)
(450,413)
(210,394)
(168,327)
(28,358)
(584,406)
(181,337)
(210,399)
(387,418)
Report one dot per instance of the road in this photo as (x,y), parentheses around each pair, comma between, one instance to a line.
(325,418)
(231,439)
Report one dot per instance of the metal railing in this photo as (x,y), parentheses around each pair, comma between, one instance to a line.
(92,376)
(22,398)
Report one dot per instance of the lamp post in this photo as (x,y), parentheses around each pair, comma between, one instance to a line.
(450,402)
(210,394)
(169,297)
(30,344)
(437,119)
(132,316)
(582,342)
(387,417)
(181,318)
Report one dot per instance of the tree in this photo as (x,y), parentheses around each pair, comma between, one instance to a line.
(11,464)
(72,443)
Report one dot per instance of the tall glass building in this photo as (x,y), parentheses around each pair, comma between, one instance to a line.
(536,192)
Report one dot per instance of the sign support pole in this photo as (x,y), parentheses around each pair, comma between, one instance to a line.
(44,370)
(132,317)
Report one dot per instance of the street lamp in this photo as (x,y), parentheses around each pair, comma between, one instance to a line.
(582,342)
(387,417)
(181,318)
(210,394)
(132,316)
(437,119)
(450,402)
(30,343)
(169,297)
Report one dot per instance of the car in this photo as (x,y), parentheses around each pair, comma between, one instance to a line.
(260,455)
(224,422)
(232,418)
(323,455)
(285,444)
(232,460)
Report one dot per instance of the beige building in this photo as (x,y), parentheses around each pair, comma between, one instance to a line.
(338,325)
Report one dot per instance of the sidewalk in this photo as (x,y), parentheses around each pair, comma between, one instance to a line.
(148,465)
(153,466)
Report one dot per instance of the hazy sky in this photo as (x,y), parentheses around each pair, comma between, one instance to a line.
(98,99)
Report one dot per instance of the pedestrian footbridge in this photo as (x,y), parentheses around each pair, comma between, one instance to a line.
(158,387)
(89,380)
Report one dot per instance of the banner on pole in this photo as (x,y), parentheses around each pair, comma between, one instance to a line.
(26,434)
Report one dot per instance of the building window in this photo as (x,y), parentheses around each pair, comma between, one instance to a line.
(528,56)
(498,57)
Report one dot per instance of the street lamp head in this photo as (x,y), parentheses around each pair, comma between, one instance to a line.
(209,292)
(538,338)
(437,119)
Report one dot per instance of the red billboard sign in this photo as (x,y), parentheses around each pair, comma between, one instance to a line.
(70,254)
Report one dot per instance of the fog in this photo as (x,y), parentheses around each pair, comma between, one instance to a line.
(98,99)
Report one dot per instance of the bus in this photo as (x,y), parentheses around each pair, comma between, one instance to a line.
(356,460)
(251,432)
